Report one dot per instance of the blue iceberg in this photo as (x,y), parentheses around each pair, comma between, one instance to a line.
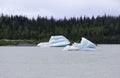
(55,41)
(85,44)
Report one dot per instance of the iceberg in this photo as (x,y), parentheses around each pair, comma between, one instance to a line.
(55,41)
(85,44)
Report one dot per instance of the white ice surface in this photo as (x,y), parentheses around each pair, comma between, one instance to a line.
(70,48)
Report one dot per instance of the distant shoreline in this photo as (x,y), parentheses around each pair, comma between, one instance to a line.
(6,42)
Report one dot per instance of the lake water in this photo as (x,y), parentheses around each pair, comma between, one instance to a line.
(36,62)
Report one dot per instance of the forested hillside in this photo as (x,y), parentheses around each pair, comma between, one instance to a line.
(105,29)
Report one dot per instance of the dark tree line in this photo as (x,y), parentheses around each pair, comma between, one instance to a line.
(104,29)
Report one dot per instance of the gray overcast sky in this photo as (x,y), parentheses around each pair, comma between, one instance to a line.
(60,8)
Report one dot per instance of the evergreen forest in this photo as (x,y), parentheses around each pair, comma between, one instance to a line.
(100,30)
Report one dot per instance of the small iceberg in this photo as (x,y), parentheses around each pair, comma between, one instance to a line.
(85,44)
(55,41)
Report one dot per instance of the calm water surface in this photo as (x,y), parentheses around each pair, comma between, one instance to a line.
(36,62)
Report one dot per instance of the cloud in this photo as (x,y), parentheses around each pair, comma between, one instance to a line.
(60,8)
